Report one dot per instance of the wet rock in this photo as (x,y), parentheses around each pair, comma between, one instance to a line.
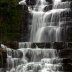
(37,54)
(69,44)
(59,45)
(14,53)
(67,67)
(66,18)
(2,70)
(13,62)
(47,8)
(29,55)
(25,44)
(48,45)
(20,54)
(3,56)
(33,45)
(47,18)
(43,45)
(66,15)
(66,23)
(30,2)
(69,34)
(40,45)
(11,44)
(66,61)
(66,53)
(63,5)
(17,54)
(49,1)
(36,68)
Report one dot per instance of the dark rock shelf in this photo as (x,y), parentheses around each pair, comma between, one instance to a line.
(49,45)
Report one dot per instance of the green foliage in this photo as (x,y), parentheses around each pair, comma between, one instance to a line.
(10,20)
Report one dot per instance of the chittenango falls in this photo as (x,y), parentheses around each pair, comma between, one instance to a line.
(46,26)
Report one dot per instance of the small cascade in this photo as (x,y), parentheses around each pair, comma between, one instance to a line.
(35,60)
(13,59)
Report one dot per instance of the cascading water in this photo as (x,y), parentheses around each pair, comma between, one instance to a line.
(46,27)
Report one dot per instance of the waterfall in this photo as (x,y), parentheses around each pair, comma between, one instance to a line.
(34,60)
(57,1)
(46,27)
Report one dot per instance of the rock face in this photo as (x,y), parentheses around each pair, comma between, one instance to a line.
(49,45)
(3,56)
(11,44)
(66,53)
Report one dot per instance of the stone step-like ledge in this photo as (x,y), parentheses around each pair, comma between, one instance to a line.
(54,45)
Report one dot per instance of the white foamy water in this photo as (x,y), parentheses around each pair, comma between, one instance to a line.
(45,27)
(57,1)
(34,60)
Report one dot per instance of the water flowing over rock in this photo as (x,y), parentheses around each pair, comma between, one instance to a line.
(47,26)
(46,50)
